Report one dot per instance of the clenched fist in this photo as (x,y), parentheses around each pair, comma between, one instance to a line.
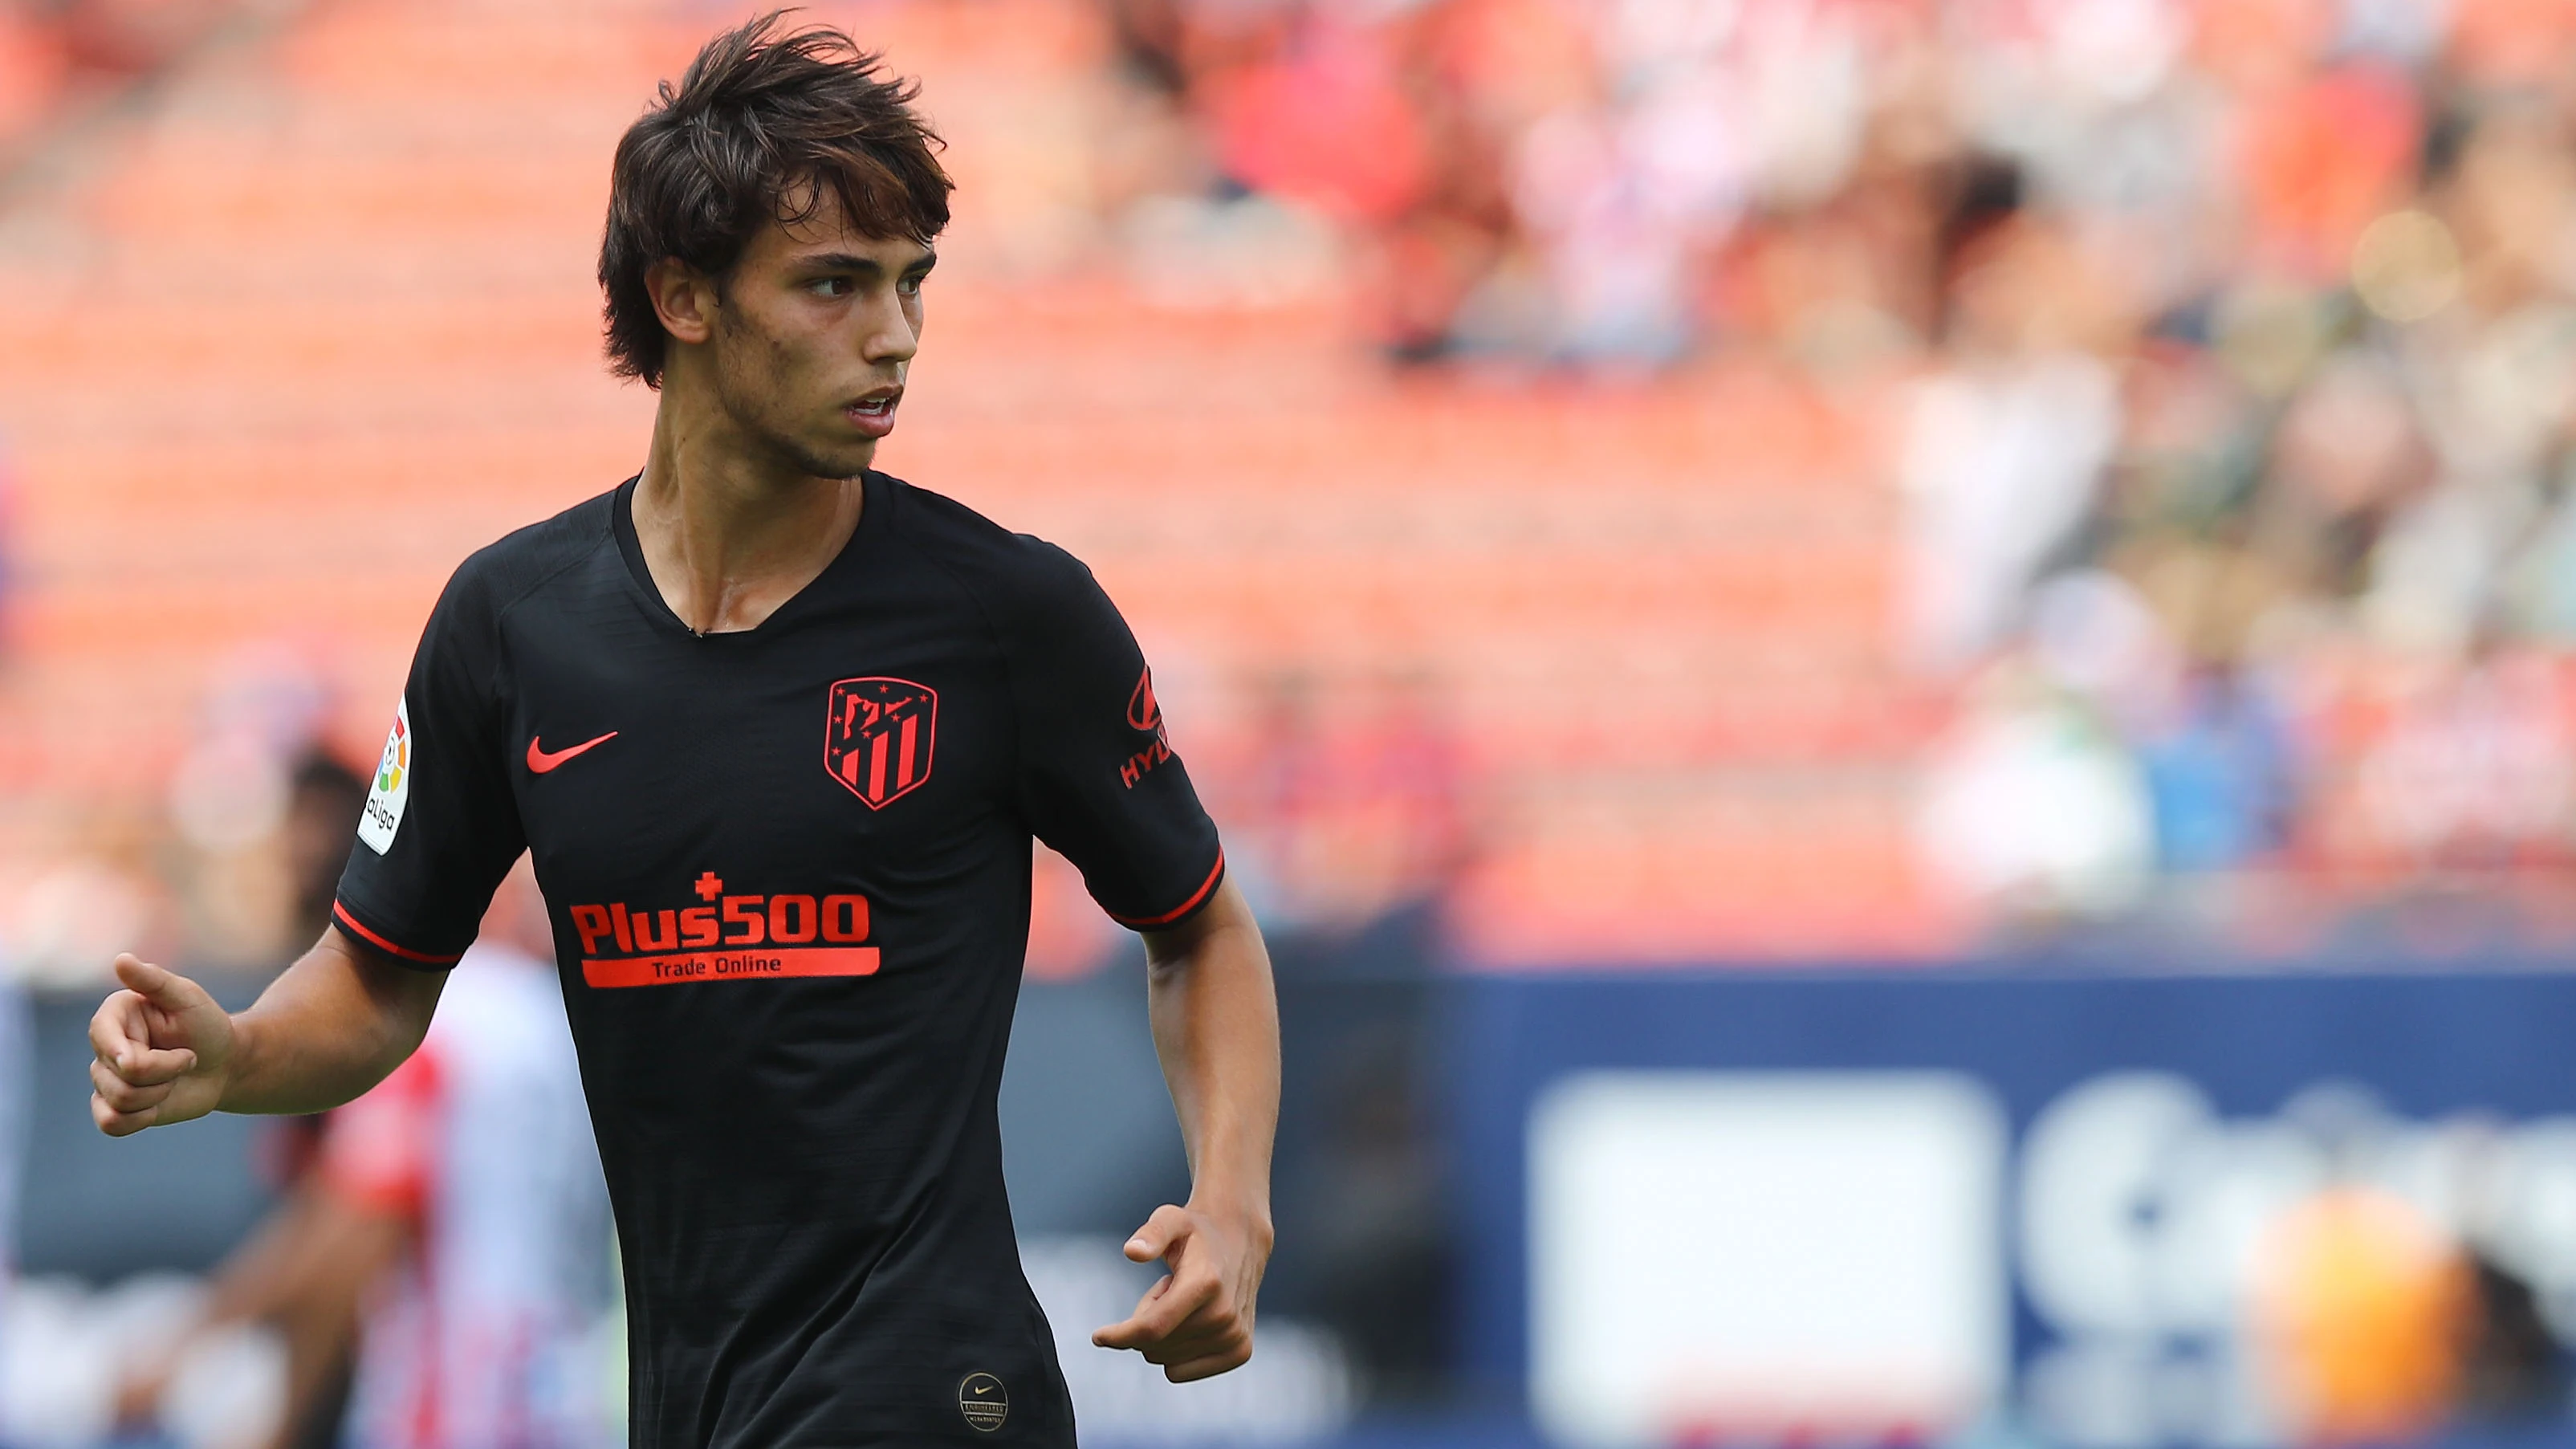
(162,1045)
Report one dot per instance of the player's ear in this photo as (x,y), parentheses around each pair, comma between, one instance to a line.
(684,298)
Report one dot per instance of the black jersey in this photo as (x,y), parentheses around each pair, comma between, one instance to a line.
(788,873)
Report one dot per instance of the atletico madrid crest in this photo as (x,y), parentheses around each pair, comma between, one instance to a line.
(878,735)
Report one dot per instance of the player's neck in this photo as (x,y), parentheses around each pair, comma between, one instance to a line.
(726,538)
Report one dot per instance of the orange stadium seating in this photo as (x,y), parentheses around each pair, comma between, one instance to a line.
(287,343)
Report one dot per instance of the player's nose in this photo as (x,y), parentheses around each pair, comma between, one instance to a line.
(889,335)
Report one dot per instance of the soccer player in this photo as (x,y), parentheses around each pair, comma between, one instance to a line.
(777,729)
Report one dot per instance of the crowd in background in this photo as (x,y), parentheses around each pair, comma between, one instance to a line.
(2223,354)
(62,58)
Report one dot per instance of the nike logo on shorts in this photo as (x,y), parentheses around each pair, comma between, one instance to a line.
(540,762)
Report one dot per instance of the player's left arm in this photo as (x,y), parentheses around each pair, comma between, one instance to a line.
(1216,1027)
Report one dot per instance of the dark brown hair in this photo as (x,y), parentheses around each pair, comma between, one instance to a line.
(765,124)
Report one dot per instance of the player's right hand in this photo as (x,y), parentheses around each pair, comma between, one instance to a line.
(162,1046)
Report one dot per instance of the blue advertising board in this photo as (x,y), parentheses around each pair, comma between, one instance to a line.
(2225,1077)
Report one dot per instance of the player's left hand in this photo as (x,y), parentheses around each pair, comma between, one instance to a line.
(1197,1321)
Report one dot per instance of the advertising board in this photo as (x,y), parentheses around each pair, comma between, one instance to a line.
(2207,1209)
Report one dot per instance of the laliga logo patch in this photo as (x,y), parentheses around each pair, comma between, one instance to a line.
(392,787)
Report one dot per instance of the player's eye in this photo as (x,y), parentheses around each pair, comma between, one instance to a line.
(830,287)
(910,285)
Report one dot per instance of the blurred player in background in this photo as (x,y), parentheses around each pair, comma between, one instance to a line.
(456,1218)
(791,987)
(323,799)
(289,1274)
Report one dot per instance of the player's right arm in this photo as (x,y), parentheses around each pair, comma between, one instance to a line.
(438,831)
(331,1026)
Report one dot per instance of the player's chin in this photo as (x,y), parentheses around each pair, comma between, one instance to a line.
(838,455)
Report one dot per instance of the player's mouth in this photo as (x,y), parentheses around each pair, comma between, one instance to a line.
(873,412)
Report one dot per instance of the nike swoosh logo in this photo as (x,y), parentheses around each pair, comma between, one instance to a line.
(540,762)
(988,1388)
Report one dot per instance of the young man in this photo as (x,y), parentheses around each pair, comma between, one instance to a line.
(789,971)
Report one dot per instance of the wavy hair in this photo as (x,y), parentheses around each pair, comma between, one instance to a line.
(765,124)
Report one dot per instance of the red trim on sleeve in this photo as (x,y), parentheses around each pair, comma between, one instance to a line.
(340,913)
(1197,898)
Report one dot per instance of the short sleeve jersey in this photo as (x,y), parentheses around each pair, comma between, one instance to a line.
(788,874)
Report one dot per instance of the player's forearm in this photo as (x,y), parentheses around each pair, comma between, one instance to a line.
(328,1028)
(1216,1027)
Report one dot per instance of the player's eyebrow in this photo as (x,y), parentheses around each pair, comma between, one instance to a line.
(866,266)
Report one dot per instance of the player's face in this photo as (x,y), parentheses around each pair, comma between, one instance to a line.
(816,329)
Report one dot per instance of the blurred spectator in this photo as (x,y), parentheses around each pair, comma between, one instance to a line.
(244,865)
(1353,801)
(2032,807)
(97,898)
(2265,312)
(323,799)
(35,63)
(2220,777)
(2004,450)
(1376,1263)
(56,54)
(457,1221)
(2472,768)
(9,563)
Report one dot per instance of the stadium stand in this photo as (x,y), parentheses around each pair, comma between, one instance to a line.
(319,321)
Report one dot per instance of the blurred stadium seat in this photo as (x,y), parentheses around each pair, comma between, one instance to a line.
(321,323)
